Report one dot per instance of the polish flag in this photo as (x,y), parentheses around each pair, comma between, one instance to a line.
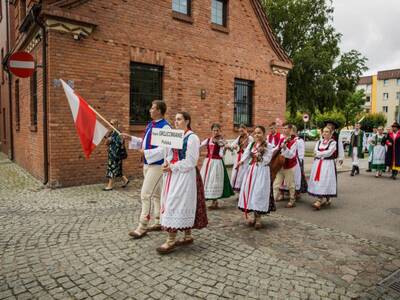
(90,130)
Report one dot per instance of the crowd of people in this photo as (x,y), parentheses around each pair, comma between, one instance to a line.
(175,191)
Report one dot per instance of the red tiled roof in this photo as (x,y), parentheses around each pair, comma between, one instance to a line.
(389,74)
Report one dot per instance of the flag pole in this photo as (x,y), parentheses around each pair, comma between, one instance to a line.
(104,120)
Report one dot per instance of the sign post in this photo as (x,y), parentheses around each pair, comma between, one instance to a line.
(21,64)
(306,118)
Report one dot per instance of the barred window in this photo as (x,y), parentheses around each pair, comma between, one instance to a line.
(145,86)
(34,103)
(17,114)
(182,6)
(243,102)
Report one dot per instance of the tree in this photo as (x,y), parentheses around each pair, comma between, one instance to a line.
(373,120)
(353,106)
(348,71)
(321,79)
(337,116)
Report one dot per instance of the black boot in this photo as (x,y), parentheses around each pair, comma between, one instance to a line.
(394,175)
(357,170)
(369,167)
(353,170)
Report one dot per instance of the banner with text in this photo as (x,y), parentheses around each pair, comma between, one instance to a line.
(171,138)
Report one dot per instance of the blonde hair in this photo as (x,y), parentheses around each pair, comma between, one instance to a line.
(326,127)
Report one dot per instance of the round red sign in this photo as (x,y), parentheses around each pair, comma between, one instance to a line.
(21,64)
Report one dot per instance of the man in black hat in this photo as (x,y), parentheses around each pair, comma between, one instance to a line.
(392,141)
(333,126)
(358,144)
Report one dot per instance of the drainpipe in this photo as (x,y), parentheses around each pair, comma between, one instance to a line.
(45,111)
(10,78)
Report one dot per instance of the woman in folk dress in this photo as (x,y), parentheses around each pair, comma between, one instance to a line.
(182,200)
(323,179)
(256,187)
(240,145)
(214,174)
(378,152)
(299,175)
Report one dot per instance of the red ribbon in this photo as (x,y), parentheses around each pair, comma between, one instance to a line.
(175,158)
(239,158)
(318,173)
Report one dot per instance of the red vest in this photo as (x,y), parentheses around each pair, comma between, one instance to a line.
(290,162)
(213,150)
(277,139)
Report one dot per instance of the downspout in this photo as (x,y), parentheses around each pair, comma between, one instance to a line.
(10,78)
(45,112)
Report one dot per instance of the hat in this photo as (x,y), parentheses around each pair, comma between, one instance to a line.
(326,122)
(395,124)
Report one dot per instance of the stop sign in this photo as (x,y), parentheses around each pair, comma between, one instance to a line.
(21,64)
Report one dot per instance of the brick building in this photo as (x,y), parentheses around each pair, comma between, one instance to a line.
(217,59)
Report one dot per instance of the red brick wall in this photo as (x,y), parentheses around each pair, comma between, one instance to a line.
(194,57)
(28,140)
(5,141)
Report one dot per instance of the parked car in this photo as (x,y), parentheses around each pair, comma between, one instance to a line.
(309,134)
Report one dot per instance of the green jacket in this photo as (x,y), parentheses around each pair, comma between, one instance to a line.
(360,145)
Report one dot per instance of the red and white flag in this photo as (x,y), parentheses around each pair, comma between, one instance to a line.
(90,130)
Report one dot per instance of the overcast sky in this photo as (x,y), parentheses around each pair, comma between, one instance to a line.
(371,27)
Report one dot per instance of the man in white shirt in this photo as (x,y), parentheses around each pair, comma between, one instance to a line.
(152,170)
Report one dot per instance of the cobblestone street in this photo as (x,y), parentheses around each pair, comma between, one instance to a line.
(72,243)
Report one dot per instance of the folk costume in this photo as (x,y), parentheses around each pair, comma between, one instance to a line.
(339,154)
(238,172)
(323,178)
(183,204)
(150,193)
(286,174)
(213,171)
(256,187)
(378,153)
(392,141)
(275,139)
(358,143)
(299,175)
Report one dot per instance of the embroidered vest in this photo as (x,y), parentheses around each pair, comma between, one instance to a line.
(329,144)
(213,150)
(290,162)
(147,136)
(276,140)
(180,154)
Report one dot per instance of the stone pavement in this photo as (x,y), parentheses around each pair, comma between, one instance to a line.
(72,243)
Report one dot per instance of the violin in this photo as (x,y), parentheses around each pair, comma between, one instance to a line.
(219,140)
(260,151)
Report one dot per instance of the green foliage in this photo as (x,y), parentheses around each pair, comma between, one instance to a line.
(373,120)
(352,107)
(336,116)
(296,120)
(321,78)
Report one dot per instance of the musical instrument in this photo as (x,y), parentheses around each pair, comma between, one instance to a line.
(219,140)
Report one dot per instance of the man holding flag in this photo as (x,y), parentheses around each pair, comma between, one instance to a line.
(152,170)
